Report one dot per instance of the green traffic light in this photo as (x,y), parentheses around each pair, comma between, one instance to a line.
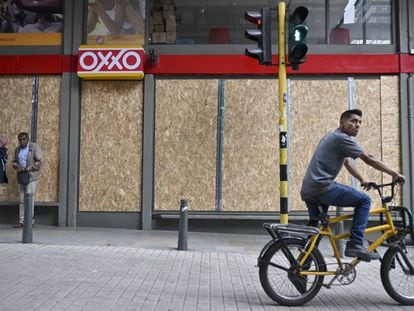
(299,33)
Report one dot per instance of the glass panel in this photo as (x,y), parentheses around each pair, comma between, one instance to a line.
(113,21)
(360,22)
(24,22)
(202,21)
(221,21)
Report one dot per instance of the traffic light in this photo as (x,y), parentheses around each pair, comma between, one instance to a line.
(297,37)
(262,35)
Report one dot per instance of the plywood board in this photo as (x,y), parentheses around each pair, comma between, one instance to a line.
(390,127)
(368,99)
(185,144)
(315,109)
(16,114)
(251,146)
(111,146)
(48,133)
(15,117)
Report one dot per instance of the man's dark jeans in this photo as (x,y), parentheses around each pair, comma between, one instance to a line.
(345,196)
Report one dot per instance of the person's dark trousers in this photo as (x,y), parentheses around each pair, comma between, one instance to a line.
(345,196)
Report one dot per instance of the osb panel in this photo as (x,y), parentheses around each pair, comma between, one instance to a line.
(331,97)
(16,93)
(368,99)
(15,117)
(185,143)
(315,110)
(111,145)
(390,116)
(48,132)
(251,146)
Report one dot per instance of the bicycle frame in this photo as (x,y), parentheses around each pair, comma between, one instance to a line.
(388,230)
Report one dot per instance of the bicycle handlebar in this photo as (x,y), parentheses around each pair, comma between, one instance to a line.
(379,187)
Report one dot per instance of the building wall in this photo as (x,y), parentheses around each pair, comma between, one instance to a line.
(186,138)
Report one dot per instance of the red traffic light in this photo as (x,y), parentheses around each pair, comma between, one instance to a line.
(254,17)
(262,35)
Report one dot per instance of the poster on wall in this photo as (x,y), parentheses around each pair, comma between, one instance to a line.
(116,22)
(31,22)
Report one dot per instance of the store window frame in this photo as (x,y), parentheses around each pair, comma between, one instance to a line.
(70,38)
(225,49)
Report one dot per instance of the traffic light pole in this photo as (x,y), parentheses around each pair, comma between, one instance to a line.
(282,116)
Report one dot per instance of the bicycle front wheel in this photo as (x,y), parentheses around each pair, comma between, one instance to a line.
(282,282)
(397,274)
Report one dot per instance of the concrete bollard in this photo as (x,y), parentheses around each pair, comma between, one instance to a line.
(28,217)
(183,226)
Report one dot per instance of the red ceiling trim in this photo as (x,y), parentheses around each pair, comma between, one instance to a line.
(31,64)
(241,64)
(222,64)
(407,63)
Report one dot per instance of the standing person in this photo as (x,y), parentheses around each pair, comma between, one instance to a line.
(3,159)
(334,150)
(28,159)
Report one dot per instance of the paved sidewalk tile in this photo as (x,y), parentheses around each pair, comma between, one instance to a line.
(78,277)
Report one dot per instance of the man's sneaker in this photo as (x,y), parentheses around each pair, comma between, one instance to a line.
(353,249)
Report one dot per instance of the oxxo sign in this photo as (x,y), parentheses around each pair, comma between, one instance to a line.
(110,62)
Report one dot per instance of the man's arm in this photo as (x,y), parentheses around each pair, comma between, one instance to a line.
(37,157)
(381,166)
(351,168)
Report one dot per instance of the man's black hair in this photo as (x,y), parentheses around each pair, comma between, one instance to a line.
(348,114)
(22,134)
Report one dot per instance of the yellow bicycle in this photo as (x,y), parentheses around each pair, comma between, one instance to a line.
(292,268)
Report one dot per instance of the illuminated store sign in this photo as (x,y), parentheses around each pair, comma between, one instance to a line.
(110,62)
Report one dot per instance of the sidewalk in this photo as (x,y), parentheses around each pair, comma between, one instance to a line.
(119,269)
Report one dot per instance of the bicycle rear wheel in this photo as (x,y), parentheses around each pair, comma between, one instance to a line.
(279,279)
(397,275)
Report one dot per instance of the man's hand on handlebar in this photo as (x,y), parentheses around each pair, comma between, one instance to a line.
(367,185)
(398,179)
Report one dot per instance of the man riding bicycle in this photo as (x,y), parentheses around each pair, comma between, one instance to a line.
(319,188)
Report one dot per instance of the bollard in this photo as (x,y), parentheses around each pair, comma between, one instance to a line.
(183,226)
(339,228)
(28,217)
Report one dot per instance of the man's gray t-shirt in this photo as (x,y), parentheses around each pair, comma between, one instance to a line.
(327,161)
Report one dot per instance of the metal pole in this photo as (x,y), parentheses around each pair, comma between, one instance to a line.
(35,107)
(282,116)
(220,133)
(183,226)
(28,217)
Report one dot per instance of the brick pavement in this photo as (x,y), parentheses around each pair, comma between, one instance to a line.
(99,277)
